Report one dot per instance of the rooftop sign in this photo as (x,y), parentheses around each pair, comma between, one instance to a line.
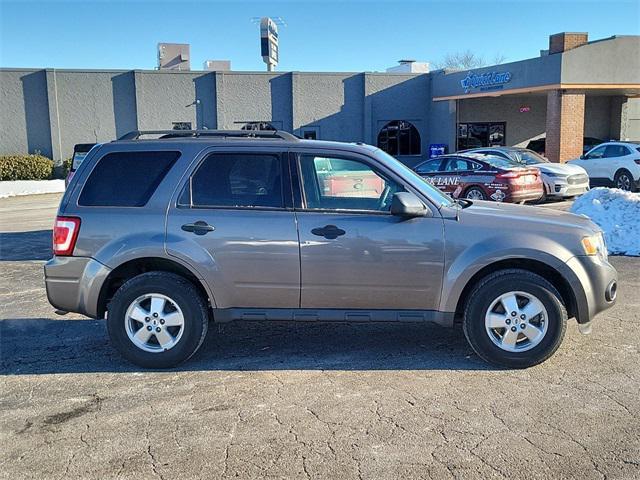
(485,81)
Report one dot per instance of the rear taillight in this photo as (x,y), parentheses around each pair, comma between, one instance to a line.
(65,234)
(508,175)
(520,177)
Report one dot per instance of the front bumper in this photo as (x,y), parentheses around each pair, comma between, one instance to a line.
(595,287)
(558,187)
(74,283)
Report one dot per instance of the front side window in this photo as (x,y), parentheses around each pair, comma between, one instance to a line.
(399,137)
(345,184)
(597,153)
(126,179)
(235,180)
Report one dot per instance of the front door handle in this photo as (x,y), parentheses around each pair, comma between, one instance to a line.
(330,232)
(199,227)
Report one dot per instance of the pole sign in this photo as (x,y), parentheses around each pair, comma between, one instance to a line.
(485,81)
(269,42)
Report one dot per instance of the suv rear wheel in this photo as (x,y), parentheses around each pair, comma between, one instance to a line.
(157,320)
(515,318)
(624,180)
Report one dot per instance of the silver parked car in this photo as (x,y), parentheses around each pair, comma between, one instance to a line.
(160,236)
(561,180)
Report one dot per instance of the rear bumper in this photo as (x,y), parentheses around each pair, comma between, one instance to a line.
(596,281)
(524,196)
(74,283)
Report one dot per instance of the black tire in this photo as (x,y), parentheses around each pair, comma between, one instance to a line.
(543,198)
(478,191)
(624,180)
(184,294)
(487,291)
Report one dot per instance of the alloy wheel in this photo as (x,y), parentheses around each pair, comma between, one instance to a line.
(624,182)
(516,321)
(474,194)
(154,323)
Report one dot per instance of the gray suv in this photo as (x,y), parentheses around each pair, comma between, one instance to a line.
(163,232)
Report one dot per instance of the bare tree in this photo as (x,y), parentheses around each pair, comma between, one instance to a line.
(466,60)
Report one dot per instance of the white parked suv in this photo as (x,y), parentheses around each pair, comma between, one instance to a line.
(612,164)
(560,180)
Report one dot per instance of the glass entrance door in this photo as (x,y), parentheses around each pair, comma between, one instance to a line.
(481,134)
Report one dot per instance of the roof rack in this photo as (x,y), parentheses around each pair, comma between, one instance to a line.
(136,134)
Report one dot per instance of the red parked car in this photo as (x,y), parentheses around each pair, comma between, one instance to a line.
(482,177)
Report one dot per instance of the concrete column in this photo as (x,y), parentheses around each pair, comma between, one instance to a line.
(565,125)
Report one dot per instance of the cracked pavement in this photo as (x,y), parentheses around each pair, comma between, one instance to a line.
(304,400)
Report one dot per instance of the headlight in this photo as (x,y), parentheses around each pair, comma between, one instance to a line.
(595,245)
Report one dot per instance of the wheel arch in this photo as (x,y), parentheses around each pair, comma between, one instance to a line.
(548,272)
(474,185)
(137,266)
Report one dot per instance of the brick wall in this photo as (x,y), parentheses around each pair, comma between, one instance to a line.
(561,42)
(565,125)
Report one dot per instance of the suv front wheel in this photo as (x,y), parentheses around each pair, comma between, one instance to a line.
(514,318)
(157,320)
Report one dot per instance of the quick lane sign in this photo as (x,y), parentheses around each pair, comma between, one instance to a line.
(485,81)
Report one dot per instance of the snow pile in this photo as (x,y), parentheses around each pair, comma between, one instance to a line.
(618,213)
(30,187)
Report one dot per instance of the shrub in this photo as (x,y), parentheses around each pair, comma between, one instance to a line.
(66,166)
(25,167)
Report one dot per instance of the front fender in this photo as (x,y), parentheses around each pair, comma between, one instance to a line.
(463,265)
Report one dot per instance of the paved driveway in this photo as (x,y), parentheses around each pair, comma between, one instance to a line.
(304,401)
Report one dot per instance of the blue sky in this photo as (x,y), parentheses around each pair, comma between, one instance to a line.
(321,35)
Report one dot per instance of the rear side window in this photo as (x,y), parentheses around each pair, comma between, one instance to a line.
(126,179)
(236,180)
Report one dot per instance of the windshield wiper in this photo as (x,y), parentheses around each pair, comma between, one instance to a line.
(463,202)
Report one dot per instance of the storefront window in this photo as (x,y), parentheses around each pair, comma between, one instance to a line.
(474,135)
(399,137)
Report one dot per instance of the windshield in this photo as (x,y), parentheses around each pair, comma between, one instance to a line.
(435,193)
(530,157)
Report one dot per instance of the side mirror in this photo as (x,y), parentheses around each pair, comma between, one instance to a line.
(408,205)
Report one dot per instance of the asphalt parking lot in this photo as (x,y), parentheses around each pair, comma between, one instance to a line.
(304,401)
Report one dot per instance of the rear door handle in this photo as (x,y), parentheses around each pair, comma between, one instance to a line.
(199,227)
(330,232)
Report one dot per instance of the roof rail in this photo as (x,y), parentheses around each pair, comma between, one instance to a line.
(136,134)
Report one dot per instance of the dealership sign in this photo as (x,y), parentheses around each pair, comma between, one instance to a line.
(485,81)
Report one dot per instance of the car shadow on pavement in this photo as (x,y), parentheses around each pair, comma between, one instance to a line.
(25,246)
(46,346)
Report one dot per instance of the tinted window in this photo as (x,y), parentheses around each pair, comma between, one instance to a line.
(399,137)
(615,151)
(429,167)
(126,179)
(355,186)
(236,180)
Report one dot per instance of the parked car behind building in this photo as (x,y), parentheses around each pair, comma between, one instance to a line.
(539,145)
(80,151)
(560,179)
(476,176)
